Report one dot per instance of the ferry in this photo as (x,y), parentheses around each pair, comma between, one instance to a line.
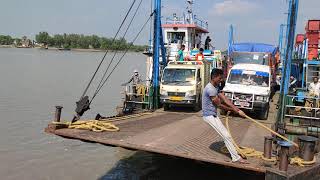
(141,125)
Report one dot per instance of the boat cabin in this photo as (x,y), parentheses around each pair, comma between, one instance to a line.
(183,31)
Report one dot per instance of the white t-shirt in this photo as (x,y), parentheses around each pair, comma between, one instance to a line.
(198,40)
(314,88)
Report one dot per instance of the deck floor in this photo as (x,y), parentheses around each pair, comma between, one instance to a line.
(186,135)
(178,134)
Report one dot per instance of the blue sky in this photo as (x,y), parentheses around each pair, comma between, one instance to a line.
(254,20)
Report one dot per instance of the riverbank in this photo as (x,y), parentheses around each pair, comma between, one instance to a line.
(65,49)
(7,46)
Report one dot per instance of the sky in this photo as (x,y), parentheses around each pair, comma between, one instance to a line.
(253,20)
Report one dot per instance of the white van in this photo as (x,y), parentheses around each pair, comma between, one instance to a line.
(248,86)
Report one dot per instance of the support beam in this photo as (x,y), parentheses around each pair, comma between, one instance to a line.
(157,45)
(286,70)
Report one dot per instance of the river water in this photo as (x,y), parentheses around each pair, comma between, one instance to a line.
(33,81)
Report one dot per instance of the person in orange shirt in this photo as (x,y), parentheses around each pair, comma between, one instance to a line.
(200,56)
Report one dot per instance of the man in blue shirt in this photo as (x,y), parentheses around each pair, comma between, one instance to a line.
(180,53)
(211,100)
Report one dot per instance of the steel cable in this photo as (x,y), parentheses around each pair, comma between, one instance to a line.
(115,53)
(121,58)
(103,58)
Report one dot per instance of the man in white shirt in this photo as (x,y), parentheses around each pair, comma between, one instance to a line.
(197,41)
(314,87)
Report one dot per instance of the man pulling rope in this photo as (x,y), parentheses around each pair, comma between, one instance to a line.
(211,100)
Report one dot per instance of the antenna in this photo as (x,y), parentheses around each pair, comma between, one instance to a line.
(189,11)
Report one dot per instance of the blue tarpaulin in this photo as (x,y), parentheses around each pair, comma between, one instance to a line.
(253,47)
(236,71)
(258,73)
(206,52)
(263,74)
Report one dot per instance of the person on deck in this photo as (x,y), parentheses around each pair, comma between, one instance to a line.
(200,56)
(135,79)
(197,41)
(181,56)
(180,53)
(314,87)
(211,100)
(293,83)
(207,43)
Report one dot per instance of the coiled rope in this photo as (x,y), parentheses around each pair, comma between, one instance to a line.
(300,162)
(251,152)
(245,152)
(100,125)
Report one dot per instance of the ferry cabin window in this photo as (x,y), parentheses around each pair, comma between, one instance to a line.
(249,78)
(250,58)
(178,75)
(176,37)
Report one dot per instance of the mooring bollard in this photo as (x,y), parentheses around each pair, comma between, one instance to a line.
(284,155)
(307,147)
(58,113)
(267,147)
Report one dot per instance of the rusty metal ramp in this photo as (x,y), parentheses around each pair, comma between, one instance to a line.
(179,134)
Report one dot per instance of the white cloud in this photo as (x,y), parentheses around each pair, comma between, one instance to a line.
(233,7)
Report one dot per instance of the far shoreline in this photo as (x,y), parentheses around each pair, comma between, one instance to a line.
(66,49)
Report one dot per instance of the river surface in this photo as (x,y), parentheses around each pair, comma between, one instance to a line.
(32,82)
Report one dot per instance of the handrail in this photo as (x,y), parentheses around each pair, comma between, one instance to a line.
(304,97)
(180,20)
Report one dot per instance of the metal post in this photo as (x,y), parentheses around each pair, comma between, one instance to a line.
(230,40)
(163,49)
(307,147)
(285,82)
(267,147)
(157,16)
(284,155)
(280,42)
(57,115)
(150,33)
(305,63)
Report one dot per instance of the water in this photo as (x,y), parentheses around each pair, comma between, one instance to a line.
(33,81)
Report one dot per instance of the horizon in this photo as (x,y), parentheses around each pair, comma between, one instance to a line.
(99,18)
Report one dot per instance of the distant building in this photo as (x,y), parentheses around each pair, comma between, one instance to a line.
(23,43)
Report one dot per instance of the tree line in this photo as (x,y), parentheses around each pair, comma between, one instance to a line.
(6,40)
(85,42)
(74,41)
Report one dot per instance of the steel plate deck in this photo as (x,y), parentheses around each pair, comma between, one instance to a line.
(179,134)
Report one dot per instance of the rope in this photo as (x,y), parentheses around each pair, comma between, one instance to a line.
(94,125)
(91,125)
(101,124)
(103,58)
(273,132)
(300,162)
(121,58)
(103,81)
(245,152)
(115,53)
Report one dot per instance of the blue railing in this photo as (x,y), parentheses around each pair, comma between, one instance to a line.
(183,20)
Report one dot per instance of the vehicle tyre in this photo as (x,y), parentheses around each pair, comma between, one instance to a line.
(263,115)
(166,107)
(197,106)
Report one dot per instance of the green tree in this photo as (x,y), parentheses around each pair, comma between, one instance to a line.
(85,42)
(6,40)
(43,37)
